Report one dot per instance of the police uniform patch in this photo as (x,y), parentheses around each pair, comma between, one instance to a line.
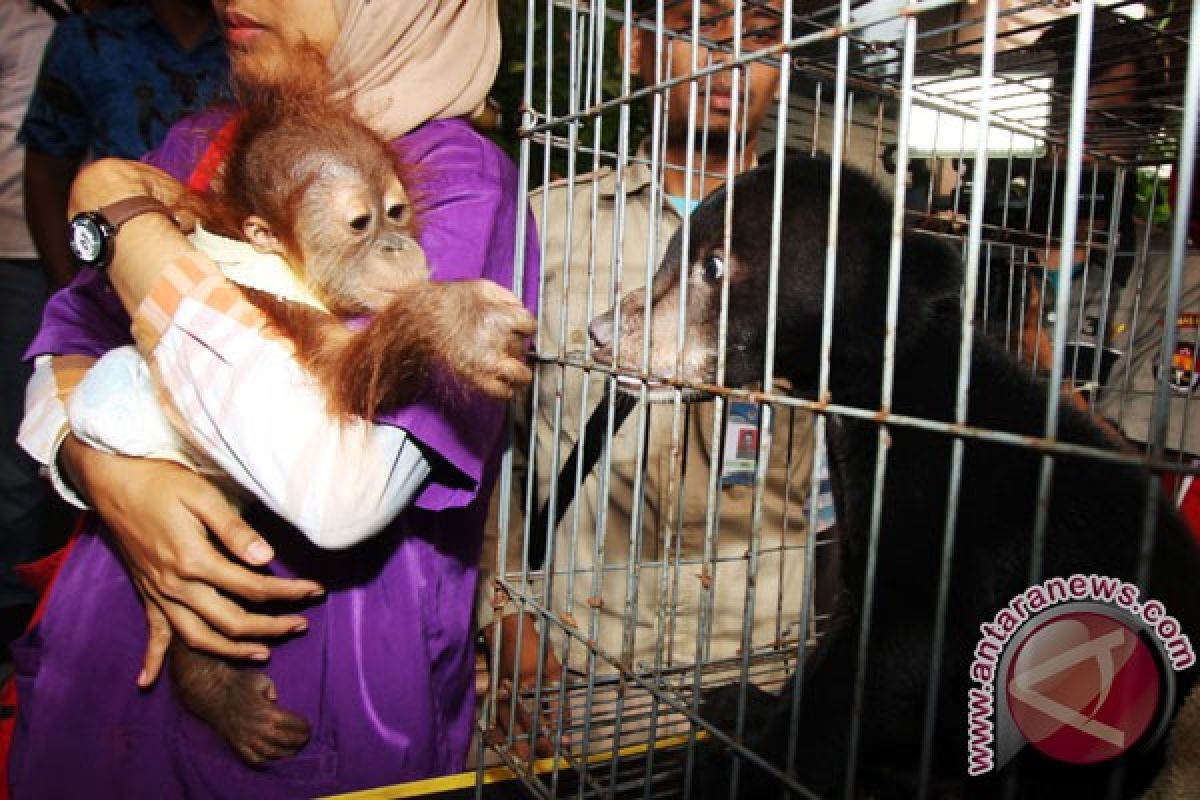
(1182,376)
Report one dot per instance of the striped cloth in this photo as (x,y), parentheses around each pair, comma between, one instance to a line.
(338,481)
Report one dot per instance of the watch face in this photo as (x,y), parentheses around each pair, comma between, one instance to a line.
(87,240)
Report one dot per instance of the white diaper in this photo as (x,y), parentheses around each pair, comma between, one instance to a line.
(116,410)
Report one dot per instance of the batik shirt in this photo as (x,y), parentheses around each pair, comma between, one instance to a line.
(112,83)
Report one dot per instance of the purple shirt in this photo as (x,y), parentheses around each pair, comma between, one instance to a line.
(385,671)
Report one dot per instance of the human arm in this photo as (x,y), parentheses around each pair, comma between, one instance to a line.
(184,326)
(145,243)
(182,561)
(168,522)
(258,416)
(520,644)
(337,481)
(47,185)
(161,516)
(520,650)
(264,420)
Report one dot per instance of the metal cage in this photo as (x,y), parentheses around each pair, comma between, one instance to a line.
(660,549)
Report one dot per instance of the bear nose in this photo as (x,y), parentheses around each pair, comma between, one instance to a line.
(601,330)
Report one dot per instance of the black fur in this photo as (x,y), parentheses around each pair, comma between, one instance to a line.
(1094,519)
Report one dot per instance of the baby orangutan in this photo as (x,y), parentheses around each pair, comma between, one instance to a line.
(307,181)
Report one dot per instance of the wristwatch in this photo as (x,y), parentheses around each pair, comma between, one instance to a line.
(93,233)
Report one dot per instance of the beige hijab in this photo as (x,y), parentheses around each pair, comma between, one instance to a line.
(409,61)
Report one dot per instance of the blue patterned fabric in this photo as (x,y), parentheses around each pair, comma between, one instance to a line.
(113,82)
(826,511)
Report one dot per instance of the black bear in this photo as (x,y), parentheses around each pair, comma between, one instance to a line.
(1096,506)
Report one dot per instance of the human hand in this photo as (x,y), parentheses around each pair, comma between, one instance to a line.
(161,517)
(525,643)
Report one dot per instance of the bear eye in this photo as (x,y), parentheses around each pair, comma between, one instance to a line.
(360,222)
(396,212)
(714,267)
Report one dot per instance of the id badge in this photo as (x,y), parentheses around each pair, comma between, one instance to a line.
(741,443)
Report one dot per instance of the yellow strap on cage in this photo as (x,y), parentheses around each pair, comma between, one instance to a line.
(500,774)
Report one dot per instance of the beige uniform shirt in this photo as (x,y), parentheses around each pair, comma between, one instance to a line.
(639,593)
(1128,399)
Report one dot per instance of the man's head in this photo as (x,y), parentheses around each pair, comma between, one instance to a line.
(717,32)
(1126,77)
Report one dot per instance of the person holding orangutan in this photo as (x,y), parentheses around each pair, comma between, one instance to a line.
(371,645)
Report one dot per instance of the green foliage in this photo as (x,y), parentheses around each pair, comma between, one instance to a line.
(1156,210)
(509,89)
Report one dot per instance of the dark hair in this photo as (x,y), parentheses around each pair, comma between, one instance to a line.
(1116,40)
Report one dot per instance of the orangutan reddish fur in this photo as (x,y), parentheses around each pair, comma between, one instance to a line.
(294,146)
(293,130)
